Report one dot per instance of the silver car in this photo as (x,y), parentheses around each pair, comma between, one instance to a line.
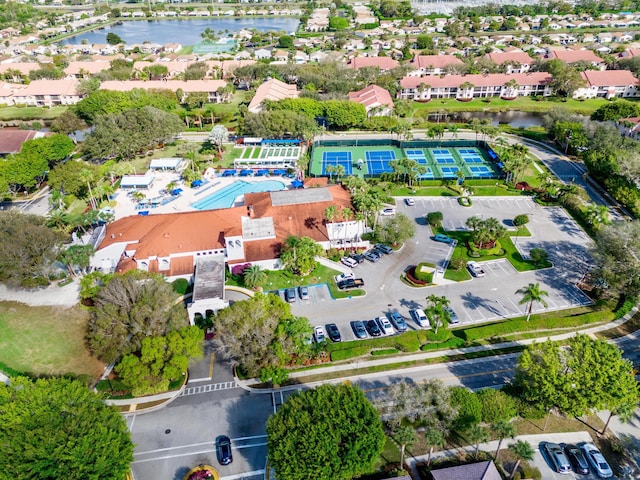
(558,458)
(597,461)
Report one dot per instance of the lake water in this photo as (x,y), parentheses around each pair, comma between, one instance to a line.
(514,118)
(184,32)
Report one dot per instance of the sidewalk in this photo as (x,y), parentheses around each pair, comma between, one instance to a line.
(358,364)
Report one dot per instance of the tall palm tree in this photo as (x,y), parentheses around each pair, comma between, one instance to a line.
(532,293)
(504,429)
(523,451)
(434,439)
(330,215)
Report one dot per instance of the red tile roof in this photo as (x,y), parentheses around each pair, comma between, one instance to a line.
(574,56)
(489,80)
(272,89)
(609,78)
(11,140)
(384,63)
(372,96)
(165,234)
(434,61)
(500,58)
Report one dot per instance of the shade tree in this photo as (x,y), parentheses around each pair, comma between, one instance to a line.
(329,433)
(298,254)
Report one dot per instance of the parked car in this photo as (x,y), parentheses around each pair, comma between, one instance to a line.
(419,317)
(358,329)
(387,212)
(577,459)
(372,256)
(475,269)
(334,333)
(318,334)
(597,461)
(303,292)
(398,322)
(358,257)
(558,458)
(290,295)
(223,450)
(453,316)
(385,325)
(373,328)
(410,201)
(351,283)
(384,248)
(349,262)
(442,238)
(344,276)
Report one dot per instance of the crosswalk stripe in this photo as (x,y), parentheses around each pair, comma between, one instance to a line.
(209,388)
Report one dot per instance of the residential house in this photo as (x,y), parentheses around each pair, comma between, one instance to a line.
(467,87)
(608,84)
(472,471)
(272,89)
(262,53)
(432,64)
(81,70)
(48,93)
(210,87)
(628,127)
(571,57)
(383,63)
(376,100)
(513,62)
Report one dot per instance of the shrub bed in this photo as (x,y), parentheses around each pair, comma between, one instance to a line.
(465,201)
(411,278)
(385,351)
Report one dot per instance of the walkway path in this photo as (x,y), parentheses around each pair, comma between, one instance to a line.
(66,296)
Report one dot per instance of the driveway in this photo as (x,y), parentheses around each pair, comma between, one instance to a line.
(478,300)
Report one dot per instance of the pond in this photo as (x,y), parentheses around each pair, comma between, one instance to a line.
(514,118)
(184,32)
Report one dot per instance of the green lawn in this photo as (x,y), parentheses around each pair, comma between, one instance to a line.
(45,340)
(30,113)
(525,104)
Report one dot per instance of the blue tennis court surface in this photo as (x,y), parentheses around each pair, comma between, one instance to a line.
(481,171)
(337,158)
(444,160)
(469,155)
(427,174)
(417,155)
(378,161)
(449,172)
(442,156)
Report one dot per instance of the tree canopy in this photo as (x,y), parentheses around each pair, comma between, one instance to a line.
(585,375)
(129,308)
(27,249)
(58,428)
(261,332)
(330,433)
(617,255)
(298,254)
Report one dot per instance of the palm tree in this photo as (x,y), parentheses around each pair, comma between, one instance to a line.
(405,436)
(347,214)
(434,439)
(254,276)
(330,169)
(503,429)
(477,434)
(523,451)
(330,215)
(453,129)
(532,293)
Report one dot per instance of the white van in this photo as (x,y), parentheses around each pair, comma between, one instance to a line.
(419,317)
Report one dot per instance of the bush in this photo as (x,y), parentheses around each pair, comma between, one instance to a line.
(465,201)
(423,275)
(350,353)
(528,411)
(530,472)
(384,351)
(475,252)
(496,405)
(520,220)
(468,405)
(180,286)
(457,263)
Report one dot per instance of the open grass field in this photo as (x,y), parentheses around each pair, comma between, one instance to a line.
(45,340)
(524,104)
(30,113)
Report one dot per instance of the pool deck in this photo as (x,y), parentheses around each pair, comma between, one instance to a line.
(126,204)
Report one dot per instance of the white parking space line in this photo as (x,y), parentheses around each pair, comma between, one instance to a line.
(515,306)
(254,473)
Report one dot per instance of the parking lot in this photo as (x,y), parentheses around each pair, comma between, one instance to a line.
(478,300)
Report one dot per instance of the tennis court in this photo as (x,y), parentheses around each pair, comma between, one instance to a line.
(417,155)
(470,155)
(378,161)
(449,172)
(442,156)
(481,171)
(337,158)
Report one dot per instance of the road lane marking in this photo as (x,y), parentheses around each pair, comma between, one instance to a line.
(166,457)
(171,448)
(253,473)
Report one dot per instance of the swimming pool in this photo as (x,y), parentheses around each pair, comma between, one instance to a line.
(225,197)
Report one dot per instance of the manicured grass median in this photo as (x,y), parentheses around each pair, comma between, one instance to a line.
(45,340)
(30,113)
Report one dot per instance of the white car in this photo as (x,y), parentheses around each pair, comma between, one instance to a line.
(410,201)
(597,461)
(349,262)
(419,317)
(318,334)
(344,276)
(475,269)
(385,325)
(387,212)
